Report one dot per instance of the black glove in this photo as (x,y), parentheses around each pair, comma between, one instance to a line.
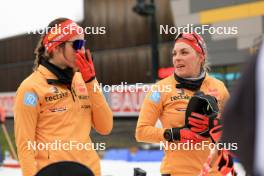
(201,114)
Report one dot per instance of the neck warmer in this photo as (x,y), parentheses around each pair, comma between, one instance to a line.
(64,75)
(193,84)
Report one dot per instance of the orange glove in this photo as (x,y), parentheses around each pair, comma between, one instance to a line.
(225,163)
(85,64)
(2,115)
(216,133)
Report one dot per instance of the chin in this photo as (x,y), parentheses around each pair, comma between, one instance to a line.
(181,74)
(72,65)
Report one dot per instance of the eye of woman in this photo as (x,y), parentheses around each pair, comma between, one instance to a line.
(184,52)
(174,53)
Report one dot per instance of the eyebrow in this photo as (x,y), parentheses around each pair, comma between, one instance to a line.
(182,49)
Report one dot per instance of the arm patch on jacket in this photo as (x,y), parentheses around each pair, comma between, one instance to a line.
(30,99)
(155,96)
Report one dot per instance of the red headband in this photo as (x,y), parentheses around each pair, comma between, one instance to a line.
(193,44)
(61,33)
(194,40)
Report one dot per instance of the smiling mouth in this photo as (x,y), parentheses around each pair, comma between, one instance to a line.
(180,66)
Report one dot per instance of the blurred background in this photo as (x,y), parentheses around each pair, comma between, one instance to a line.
(132,50)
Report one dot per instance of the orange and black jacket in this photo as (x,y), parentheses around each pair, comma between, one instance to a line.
(55,106)
(168,104)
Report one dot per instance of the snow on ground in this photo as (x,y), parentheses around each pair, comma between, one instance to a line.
(118,168)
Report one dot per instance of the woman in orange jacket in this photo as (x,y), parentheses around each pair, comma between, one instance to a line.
(57,105)
(190,75)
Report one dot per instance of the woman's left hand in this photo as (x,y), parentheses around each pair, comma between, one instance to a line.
(203,124)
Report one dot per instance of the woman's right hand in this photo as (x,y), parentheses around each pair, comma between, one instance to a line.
(183,135)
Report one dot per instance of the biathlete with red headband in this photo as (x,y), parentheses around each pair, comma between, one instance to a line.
(56,106)
(189,57)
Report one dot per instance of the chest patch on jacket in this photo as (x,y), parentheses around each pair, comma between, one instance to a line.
(56,96)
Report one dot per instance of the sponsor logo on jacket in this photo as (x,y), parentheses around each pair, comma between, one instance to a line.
(180,91)
(180,97)
(85,106)
(81,88)
(83,97)
(56,96)
(155,96)
(30,99)
(54,89)
(58,109)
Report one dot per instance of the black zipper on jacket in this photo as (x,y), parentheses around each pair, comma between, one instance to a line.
(72,93)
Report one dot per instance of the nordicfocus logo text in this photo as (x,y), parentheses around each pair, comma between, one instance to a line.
(56,96)
(203,29)
(59,145)
(204,145)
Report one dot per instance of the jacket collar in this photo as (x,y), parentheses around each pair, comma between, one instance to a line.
(192,85)
(53,74)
